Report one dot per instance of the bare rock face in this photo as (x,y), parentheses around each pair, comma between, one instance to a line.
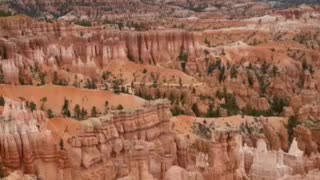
(138,144)
(18,175)
(309,111)
(27,146)
(224,157)
(126,145)
(305,140)
(218,157)
(272,164)
(87,50)
(263,158)
(178,173)
(312,175)
(277,139)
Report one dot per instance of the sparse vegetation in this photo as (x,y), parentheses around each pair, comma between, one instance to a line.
(94,111)
(50,113)
(230,102)
(233,72)
(42,77)
(32,106)
(84,23)
(65,108)
(250,79)
(2,175)
(1,76)
(207,42)
(254,112)
(117,84)
(195,109)
(119,107)
(202,130)
(292,123)
(212,113)
(77,111)
(2,101)
(183,58)
(5,14)
(90,84)
(176,111)
(43,101)
(278,104)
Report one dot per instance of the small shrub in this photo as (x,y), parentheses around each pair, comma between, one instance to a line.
(119,107)
(2,101)
(292,123)
(50,113)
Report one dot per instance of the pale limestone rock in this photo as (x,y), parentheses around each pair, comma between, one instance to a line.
(18,175)
(202,160)
(294,150)
(268,164)
(312,175)
(178,173)
(27,146)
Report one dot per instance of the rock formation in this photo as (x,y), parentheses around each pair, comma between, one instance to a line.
(128,144)
(85,49)
(27,146)
(226,62)
(264,164)
(137,144)
(18,175)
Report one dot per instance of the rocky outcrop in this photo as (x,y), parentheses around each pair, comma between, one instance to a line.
(27,146)
(18,175)
(224,157)
(312,175)
(261,163)
(138,144)
(127,144)
(272,164)
(273,160)
(85,50)
(306,140)
(277,139)
(178,173)
(218,157)
(309,111)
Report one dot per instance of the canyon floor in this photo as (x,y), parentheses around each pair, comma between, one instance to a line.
(159,90)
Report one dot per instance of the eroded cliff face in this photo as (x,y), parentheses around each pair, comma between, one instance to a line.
(149,11)
(26,145)
(254,69)
(218,157)
(245,63)
(141,144)
(83,50)
(136,145)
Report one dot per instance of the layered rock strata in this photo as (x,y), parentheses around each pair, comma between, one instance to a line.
(27,146)
(128,144)
(138,144)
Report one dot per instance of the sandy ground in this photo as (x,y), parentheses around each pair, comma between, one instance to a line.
(64,127)
(56,95)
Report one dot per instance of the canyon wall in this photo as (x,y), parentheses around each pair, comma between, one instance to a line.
(83,50)
(128,144)
(218,157)
(137,144)
(28,146)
